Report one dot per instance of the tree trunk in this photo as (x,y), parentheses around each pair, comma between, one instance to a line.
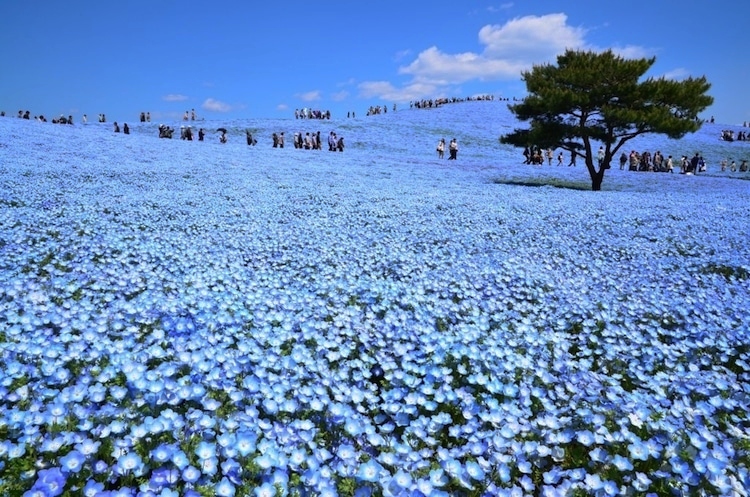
(596,179)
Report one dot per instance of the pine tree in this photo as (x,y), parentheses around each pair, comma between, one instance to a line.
(591,97)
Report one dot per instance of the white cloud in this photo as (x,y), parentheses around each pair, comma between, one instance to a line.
(174,97)
(310,96)
(282,107)
(500,8)
(216,106)
(437,68)
(340,96)
(677,74)
(531,39)
(386,91)
(633,52)
(508,50)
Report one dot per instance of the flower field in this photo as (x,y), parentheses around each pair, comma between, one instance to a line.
(184,318)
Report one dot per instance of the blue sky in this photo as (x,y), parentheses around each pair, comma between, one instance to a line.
(237,59)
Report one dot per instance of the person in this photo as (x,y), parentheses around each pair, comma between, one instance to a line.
(201,134)
(340,144)
(249,136)
(125,128)
(600,156)
(623,161)
(143,117)
(670,164)
(183,134)
(441,148)
(549,156)
(527,155)
(560,159)
(332,141)
(572,158)
(189,133)
(117,128)
(223,137)
(275,139)
(85,119)
(165,131)
(453,149)
(281,140)
(694,163)
(192,114)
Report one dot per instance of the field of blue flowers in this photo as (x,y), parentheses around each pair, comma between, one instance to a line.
(196,319)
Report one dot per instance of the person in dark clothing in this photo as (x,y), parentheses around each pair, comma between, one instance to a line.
(125,128)
(201,134)
(117,128)
(453,149)
(694,163)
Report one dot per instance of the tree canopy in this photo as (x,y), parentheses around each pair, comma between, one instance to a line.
(591,97)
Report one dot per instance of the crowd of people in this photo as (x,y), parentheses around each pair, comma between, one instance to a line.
(437,102)
(311,114)
(728,135)
(634,161)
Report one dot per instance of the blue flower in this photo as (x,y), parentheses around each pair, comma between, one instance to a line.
(205,450)
(638,450)
(191,474)
(72,462)
(225,488)
(370,471)
(50,481)
(130,463)
(265,490)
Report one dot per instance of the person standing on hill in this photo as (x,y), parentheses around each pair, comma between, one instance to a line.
(441,148)
(453,149)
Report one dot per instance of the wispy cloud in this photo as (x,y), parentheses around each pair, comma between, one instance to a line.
(500,8)
(340,96)
(310,96)
(174,97)
(634,52)
(677,74)
(387,91)
(214,105)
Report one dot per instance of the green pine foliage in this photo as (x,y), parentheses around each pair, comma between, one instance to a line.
(592,98)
